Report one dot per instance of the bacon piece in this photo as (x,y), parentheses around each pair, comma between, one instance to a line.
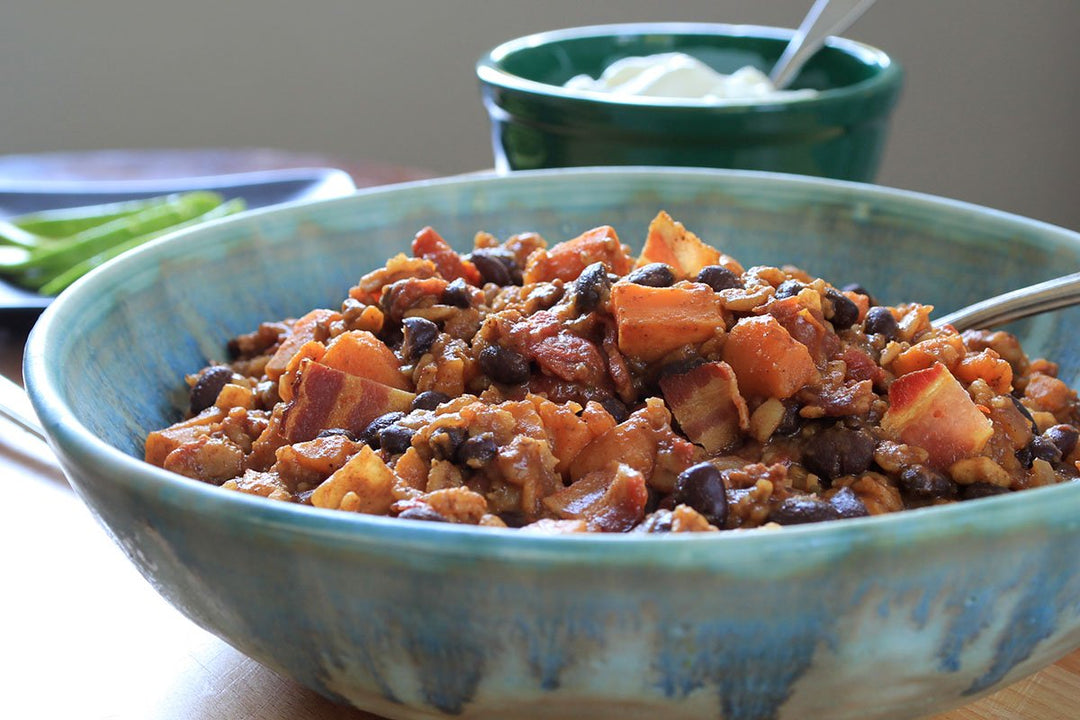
(708,406)
(327,398)
(609,500)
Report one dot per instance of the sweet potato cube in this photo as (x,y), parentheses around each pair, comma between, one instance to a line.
(567,259)
(767,361)
(328,398)
(671,243)
(986,365)
(303,331)
(360,353)
(708,406)
(930,408)
(160,443)
(1048,392)
(653,321)
(429,245)
(568,434)
(367,477)
(947,349)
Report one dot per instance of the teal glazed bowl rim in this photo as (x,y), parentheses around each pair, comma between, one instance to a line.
(490,71)
(78,447)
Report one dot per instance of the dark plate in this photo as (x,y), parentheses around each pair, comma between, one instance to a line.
(258,189)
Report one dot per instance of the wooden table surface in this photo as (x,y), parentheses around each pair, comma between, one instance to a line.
(85,636)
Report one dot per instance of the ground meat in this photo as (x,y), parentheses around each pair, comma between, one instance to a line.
(575,388)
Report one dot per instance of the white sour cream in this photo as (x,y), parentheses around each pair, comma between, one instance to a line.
(683,77)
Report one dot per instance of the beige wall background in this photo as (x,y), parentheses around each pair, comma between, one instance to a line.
(989,113)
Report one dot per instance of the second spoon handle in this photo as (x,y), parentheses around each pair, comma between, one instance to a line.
(1050,295)
(15,406)
(826,17)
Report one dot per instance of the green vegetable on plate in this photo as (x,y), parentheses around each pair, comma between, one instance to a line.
(42,258)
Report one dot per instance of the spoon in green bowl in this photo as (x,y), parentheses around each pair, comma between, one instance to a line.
(1053,294)
(826,17)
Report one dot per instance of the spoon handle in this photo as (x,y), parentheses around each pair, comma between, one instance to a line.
(15,407)
(826,17)
(1050,295)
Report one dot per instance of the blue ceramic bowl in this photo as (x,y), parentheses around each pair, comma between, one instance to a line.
(892,616)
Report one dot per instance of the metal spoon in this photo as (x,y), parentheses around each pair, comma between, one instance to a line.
(826,17)
(15,406)
(1050,295)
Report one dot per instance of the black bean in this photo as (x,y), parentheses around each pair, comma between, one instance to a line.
(1043,448)
(393,337)
(422,512)
(653,275)
(845,313)
(492,267)
(719,278)
(616,408)
(791,422)
(332,432)
(444,441)
(544,295)
(847,504)
(503,365)
(1023,456)
(837,451)
(514,518)
(788,288)
(657,522)
(370,435)
(396,439)
(456,294)
(1026,413)
(702,488)
(1065,437)
(653,499)
(880,321)
(590,287)
(420,333)
(429,400)
(981,489)
(803,509)
(478,451)
(859,289)
(206,389)
(926,483)
(509,261)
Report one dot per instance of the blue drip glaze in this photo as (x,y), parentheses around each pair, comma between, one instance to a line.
(739,660)
(449,666)
(1047,595)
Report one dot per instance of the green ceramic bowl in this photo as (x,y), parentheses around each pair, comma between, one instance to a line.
(892,616)
(536,123)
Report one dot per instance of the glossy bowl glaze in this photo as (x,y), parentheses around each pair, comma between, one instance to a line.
(536,123)
(891,616)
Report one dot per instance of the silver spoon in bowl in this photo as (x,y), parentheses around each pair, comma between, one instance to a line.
(1050,295)
(826,17)
(1042,297)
